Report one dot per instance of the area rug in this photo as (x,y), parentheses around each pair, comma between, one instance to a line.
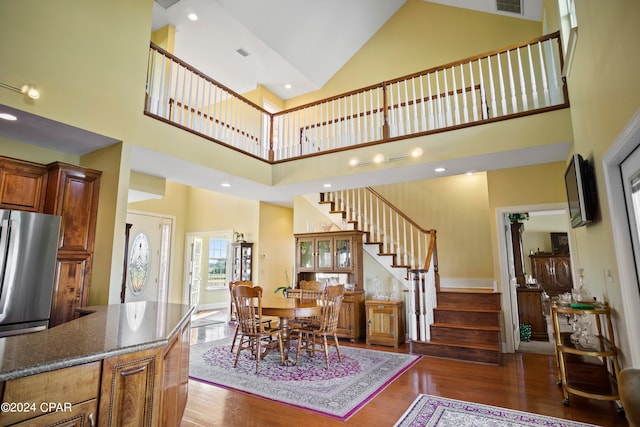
(433,411)
(337,392)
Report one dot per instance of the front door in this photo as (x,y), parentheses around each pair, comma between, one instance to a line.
(148,257)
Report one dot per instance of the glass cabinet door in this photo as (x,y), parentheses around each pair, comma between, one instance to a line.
(305,255)
(325,253)
(246,263)
(343,253)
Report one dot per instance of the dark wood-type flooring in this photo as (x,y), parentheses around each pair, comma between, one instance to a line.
(524,381)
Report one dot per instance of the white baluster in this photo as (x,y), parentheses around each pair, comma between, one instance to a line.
(353,138)
(523,87)
(364,120)
(378,226)
(534,87)
(512,87)
(432,120)
(416,127)
(494,106)
(465,110)
(556,93)
(440,117)
(422,101)
(503,94)
(455,96)
(407,108)
(474,101)
(447,99)
(405,241)
(392,117)
(401,130)
(397,244)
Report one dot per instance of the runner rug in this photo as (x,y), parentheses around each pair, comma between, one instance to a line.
(337,392)
(432,411)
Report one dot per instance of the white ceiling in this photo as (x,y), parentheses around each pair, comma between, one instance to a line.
(300,42)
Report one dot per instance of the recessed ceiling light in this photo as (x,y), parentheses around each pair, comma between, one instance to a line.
(440,169)
(469,173)
(327,185)
(378,158)
(7,116)
(416,152)
(353,162)
(225,184)
(287,86)
(192,16)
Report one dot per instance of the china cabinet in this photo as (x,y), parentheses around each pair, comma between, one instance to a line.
(587,362)
(552,272)
(385,322)
(336,254)
(241,261)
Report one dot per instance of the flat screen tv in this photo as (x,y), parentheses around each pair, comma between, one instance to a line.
(581,195)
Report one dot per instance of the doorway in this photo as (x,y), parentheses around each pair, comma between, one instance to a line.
(148,257)
(536,237)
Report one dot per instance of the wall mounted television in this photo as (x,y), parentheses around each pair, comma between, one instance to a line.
(581,191)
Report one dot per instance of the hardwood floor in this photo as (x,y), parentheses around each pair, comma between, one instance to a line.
(524,381)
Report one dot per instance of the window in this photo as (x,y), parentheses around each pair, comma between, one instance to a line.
(568,31)
(217,263)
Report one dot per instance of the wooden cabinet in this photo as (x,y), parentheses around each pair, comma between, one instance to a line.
(74,390)
(530,312)
(351,319)
(176,377)
(130,390)
(552,272)
(385,322)
(22,185)
(338,252)
(241,261)
(587,369)
(72,193)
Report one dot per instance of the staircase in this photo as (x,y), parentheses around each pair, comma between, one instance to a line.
(466,327)
(455,324)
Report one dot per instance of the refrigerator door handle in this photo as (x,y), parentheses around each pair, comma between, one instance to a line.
(4,243)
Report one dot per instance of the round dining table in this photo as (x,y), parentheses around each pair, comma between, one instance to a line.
(286,309)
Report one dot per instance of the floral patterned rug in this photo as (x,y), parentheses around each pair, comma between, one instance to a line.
(432,411)
(337,392)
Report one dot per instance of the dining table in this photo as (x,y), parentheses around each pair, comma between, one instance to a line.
(286,309)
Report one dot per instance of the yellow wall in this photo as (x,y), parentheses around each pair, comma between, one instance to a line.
(605,94)
(457,208)
(422,35)
(276,246)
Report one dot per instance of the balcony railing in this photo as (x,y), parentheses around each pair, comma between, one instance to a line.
(511,82)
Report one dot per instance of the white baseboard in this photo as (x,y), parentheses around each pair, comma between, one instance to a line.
(212,306)
(474,283)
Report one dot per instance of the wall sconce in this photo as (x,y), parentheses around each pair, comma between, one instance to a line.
(30,90)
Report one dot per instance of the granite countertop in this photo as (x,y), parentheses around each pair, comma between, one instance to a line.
(106,331)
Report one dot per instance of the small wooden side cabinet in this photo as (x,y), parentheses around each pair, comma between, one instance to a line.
(385,322)
(351,319)
(530,312)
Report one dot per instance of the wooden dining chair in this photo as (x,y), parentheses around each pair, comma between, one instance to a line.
(314,337)
(308,290)
(254,335)
(233,312)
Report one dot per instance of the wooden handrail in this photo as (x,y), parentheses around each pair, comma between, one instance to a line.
(398,211)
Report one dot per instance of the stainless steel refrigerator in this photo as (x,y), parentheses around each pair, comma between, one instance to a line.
(28,249)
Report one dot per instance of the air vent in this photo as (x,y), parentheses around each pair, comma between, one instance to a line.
(511,6)
(167,3)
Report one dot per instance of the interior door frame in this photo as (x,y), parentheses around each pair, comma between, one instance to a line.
(626,142)
(508,300)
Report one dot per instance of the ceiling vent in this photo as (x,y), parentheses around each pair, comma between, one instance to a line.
(242,52)
(511,6)
(167,3)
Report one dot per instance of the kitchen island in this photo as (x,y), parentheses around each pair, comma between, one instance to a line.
(124,364)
